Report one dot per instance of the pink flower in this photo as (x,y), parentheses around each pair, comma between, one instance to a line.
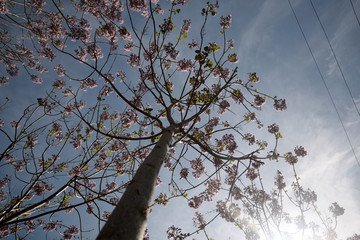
(223,106)
(59,84)
(125,34)
(199,220)
(70,232)
(60,70)
(4,81)
(259,101)
(185,65)
(273,128)
(250,138)
(134,60)
(3,10)
(213,187)
(233,58)
(280,104)
(225,21)
(300,151)
(290,158)
(128,47)
(193,44)
(36,79)
(30,226)
(198,166)
(184,172)
(195,202)
(94,51)
(170,51)
(1,123)
(187,25)
(237,96)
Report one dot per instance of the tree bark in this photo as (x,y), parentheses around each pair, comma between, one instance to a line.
(129,218)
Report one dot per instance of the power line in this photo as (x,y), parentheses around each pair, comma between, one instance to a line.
(352,6)
(323,80)
(336,60)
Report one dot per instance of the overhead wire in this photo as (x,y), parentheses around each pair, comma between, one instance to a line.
(323,80)
(336,60)
(352,6)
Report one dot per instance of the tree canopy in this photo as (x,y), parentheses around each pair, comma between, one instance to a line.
(134,88)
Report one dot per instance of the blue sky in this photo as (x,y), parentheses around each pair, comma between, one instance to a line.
(268,41)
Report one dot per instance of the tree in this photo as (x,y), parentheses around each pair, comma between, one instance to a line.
(142,96)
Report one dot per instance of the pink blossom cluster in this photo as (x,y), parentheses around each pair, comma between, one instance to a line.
(223,106)
(76,170)
(184,172)
(185,65)
(94,52)
(233,58)
(197,165)
(167,26)
(213,187)
(236,193)
(101,161)
(30,226)
(87,83)
(250,138)
(4,181)
(279,181)
(220,72)
(259,101)
(195,202)
(162,199)
(174,233)
(125,34)
(11,69)
(108,31)
(187,25)
(3,10)
(232,173)
(59,84)
(46,51)
(79,29)
(251,174)
(237,96)
(38,5)
(138,5)
(300,151)
(60,70)
(210,126)
(290,158)
(41,187)
(171,51)
(50,226)
(30,142)
(273,128)
(36,79)
(4,80)
(199,221)
(280,105)
(336,210)
(134,60)
(227,142)
(225,21)
(81,54)
(228,213)
(193,44)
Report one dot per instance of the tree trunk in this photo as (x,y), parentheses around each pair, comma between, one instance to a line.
(129,218)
